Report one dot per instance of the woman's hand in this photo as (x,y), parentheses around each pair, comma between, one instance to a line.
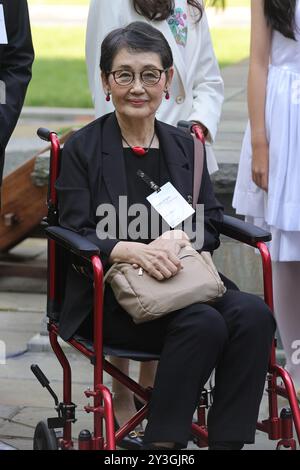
(260,165)
(172,240)
(159,259)
(170,244)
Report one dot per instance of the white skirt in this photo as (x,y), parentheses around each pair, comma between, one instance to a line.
(279,209)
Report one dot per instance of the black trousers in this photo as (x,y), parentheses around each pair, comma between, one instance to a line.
(234,335)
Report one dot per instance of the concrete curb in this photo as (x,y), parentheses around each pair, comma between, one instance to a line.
(40,343)
(31,112)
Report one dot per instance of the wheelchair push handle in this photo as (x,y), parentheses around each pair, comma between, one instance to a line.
(44,134)
(185,125)
(44,381)
(192,128)
(39,375)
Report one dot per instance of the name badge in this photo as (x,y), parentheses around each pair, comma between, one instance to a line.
(3,35)
(169,203)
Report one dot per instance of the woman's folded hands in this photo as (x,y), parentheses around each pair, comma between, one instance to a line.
(159,258)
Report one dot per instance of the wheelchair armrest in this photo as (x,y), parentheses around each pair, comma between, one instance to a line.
(72,241)
(242,231)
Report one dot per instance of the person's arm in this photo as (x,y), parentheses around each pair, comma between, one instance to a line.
(208,88)
(213,211)
(15,66)
(257,84)
(104,16)
(74,197)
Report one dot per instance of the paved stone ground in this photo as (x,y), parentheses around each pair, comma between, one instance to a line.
(23,401)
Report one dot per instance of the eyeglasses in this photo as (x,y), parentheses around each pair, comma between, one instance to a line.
(148,77)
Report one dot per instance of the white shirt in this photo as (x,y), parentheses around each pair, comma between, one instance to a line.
(196,92)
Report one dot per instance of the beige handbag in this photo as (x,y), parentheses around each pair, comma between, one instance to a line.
(145,298)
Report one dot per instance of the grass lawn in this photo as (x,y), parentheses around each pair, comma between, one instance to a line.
(231,45)
(59,71)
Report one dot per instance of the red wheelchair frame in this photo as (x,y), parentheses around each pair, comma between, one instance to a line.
(277,427)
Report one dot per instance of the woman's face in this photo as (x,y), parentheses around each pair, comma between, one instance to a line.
(137,100)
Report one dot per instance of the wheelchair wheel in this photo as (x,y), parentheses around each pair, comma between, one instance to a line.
(44,438)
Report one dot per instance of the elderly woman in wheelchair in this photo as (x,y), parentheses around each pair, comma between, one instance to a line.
(99,165)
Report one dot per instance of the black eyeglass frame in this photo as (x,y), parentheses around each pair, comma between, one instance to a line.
(161,71)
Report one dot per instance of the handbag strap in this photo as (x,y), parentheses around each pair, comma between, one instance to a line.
(198,168)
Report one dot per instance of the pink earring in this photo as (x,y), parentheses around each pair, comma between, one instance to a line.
(107,97)
(167,95)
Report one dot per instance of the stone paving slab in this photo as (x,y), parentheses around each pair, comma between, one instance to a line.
(19,369)
(231,137)
(241,97)
(31,416)
(17,329)
(4,446)
(12,430)
(232,125)
(247,257)
(19,322)
(23,285)
(16,342)
(31,250)
(22,302)
(235,75)
(8,412)
(235,108)
(230,145)
(15,444)
(230,157)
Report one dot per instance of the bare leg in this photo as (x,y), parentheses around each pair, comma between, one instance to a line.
(147,373)
(123,399)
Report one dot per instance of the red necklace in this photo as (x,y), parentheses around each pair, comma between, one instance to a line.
(140,151)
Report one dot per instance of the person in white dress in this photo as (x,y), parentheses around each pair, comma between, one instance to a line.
(267,190)
(196,93)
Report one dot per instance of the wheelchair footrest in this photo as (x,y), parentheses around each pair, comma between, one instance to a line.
(56,423)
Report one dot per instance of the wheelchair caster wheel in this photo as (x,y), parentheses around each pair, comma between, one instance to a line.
(44,438)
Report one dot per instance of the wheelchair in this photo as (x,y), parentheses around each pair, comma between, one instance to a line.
(56,433)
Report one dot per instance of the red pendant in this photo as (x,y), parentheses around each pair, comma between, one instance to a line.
(139,151)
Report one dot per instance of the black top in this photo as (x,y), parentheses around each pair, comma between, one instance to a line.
(153,165)
(16,59)
(138,190)
(93,173)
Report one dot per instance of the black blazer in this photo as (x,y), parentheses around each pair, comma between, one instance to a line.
(93,173)
(16,59)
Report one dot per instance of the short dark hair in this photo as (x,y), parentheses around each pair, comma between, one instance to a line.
(136,37)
